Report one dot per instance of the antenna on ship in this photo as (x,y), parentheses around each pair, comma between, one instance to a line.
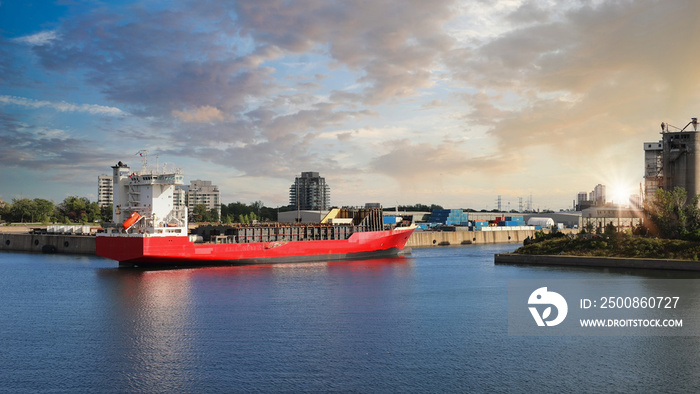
(144,159)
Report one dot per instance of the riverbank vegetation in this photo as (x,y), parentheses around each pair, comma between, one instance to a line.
(71,210)
(622,245)
(671,230)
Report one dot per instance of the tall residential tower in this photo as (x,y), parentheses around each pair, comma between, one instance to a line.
(310,192)
(105,190)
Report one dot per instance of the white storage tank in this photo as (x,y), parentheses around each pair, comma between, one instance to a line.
(542,222)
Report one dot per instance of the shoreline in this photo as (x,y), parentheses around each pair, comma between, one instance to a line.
(595,262)
(20,239)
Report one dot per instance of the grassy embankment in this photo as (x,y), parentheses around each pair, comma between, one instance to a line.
(616,246)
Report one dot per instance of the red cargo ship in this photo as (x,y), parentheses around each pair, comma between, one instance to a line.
(149,230)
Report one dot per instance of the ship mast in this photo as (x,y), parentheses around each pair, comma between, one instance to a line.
(144,159)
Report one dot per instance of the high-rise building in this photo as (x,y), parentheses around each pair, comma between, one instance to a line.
(598,195)
(105,190)
(310,192)
(595,198)
(202,192)
(582,197)
(180,197)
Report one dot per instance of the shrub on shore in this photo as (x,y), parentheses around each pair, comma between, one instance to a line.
(623,245)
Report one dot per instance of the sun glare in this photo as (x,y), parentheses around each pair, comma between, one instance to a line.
(620,194)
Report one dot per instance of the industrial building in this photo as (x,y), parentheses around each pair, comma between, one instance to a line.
(310,192)
(673,161)
(619,216)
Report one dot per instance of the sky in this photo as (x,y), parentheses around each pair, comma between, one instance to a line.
(442,102)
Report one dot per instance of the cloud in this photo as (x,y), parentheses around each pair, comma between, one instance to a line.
(200,54)
(216,66)
(394,45)
(157,61)
(44,149)
(62,106)
(270,88)
(409,162)
(202,114)
(529,12)
(38,39)
(592,73)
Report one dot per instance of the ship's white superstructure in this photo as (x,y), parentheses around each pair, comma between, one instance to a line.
(149,194)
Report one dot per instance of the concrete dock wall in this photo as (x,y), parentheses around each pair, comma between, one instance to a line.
(70,244)
(422,239)
(606,262)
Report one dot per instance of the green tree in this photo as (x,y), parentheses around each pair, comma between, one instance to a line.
(43,209)
(243,219)
(94,212)
(237,210)
(22,210)
(3,210)
(419,207)
(213,215)
(673,215)
(73,208)
(200,214)
(106,213)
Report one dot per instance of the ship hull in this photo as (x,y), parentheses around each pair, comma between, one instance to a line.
(152,251)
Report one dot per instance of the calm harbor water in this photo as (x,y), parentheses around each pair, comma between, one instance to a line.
(433,322)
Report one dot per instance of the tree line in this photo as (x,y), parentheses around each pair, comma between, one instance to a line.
(71,210)
(75,209)
(235,212)
(80,210)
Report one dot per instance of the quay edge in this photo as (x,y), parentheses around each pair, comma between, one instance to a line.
(44,243)
(596,262)
(423,239)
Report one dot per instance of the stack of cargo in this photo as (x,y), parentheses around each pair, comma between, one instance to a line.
(479,224)
(502,223)
(450,217)
(392,220)
(512,221)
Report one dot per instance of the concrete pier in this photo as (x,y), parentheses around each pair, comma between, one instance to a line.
(43,243)
(423,239)
(604,262)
